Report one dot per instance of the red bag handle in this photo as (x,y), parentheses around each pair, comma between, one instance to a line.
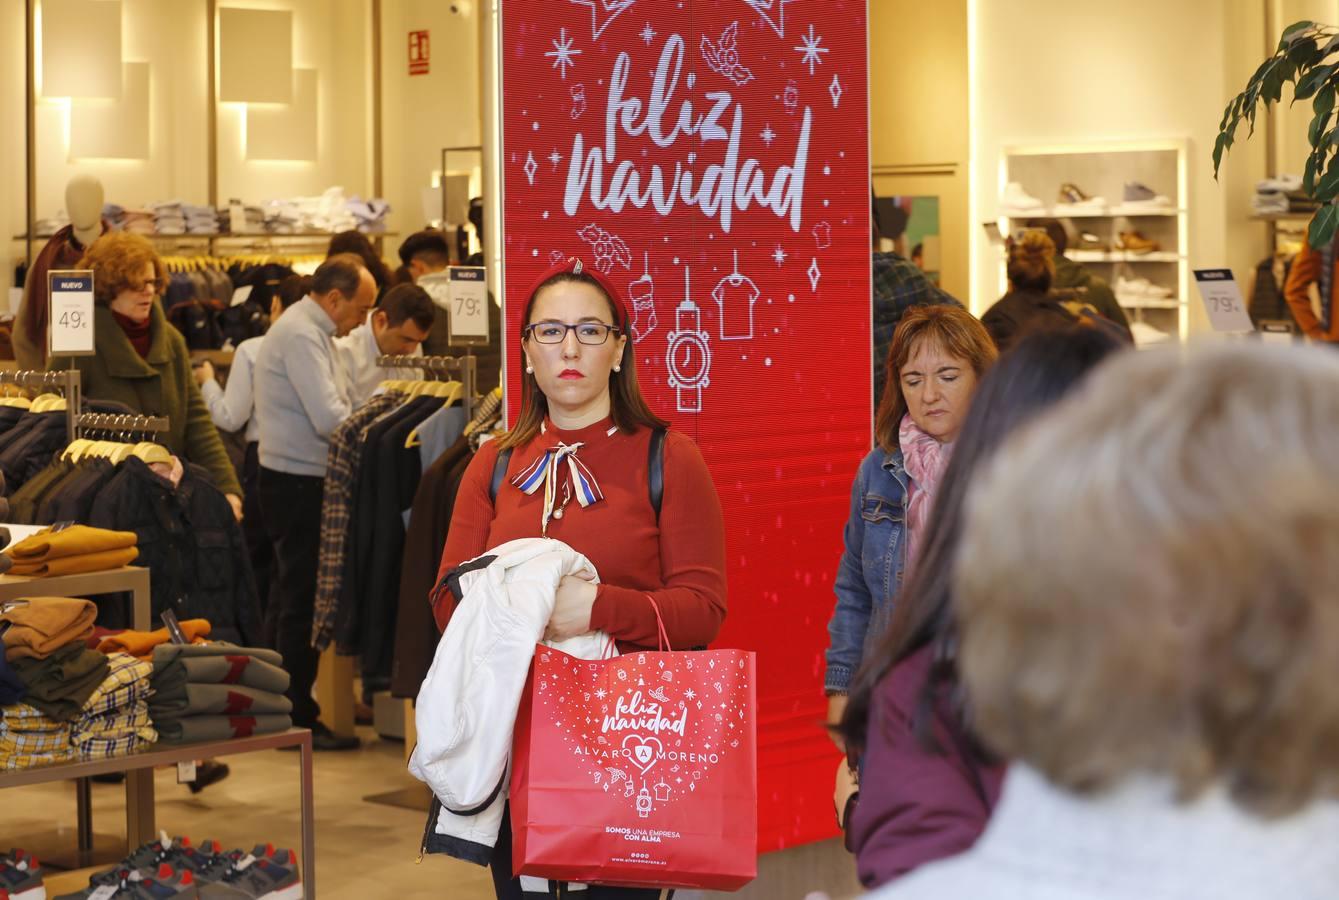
(660,625)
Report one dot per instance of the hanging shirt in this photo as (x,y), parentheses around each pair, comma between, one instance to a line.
(357,353)
(233,407)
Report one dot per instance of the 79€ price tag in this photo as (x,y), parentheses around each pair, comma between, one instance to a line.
(71,313)
(467,305)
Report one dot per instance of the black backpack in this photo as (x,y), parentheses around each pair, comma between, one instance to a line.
(655,463)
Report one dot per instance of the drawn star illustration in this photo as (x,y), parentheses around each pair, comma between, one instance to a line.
(555,157)
(811,50)
(690,693)
(765,9)
(648,34)
(563,53)
(835,89)
(611,9)
(530,167)
(779,255)
(768,135)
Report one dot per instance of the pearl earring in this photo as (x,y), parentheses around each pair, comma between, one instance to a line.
(618,368)
(529,370)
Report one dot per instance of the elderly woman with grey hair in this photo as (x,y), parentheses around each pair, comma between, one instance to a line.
(1148,596)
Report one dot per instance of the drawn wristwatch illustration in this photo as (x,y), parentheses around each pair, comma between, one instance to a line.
(688,357)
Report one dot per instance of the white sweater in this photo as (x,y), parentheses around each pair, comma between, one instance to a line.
(1133,843)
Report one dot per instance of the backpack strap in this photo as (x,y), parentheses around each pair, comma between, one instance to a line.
(499,473)
(655,469)
(655,464)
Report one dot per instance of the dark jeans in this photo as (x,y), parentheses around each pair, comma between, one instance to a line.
(259,544)
(291,507)
(509,888)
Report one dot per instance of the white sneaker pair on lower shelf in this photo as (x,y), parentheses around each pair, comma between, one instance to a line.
(1140,289)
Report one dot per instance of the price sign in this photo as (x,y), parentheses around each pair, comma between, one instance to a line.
(71,319)
(463,293)
(1222,300)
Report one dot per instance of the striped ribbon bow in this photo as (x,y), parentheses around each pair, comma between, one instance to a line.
(547,471)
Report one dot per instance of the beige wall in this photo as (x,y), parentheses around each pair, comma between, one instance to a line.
(1055,71)
(919,141)
(424,113)
(331,36)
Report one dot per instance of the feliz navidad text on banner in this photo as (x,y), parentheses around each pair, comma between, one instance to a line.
(711,157)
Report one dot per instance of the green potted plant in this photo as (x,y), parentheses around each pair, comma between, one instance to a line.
(1307,58)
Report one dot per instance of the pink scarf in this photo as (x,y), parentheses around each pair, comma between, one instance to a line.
(925,459)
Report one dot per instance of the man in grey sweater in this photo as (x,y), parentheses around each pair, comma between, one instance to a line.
(300,400)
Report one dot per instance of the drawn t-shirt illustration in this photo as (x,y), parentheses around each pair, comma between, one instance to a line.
(735,295)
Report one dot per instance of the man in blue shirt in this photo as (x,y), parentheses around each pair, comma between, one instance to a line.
(301,398)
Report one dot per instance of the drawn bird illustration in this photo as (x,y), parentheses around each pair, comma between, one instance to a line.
(722,57)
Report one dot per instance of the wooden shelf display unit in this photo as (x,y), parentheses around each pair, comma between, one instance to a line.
(1102,170)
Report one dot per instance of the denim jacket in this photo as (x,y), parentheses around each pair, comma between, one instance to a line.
(872,564)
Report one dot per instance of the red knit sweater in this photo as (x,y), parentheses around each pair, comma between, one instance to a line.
(680,562)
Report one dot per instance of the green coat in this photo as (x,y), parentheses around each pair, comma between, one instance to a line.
(160,384)
(1069,275)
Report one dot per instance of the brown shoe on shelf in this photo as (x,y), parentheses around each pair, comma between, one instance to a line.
(1072,193)
(1134,242)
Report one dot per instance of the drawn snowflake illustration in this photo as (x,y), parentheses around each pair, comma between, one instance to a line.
(555,157)
(811,49)
(648,34)
(767,135)
(563,53)
(779,255)
(690,693)
(601,694)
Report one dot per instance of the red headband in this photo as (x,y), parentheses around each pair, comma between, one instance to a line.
(574,266)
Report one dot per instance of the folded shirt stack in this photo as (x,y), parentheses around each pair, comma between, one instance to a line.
(138,221)
(115,720)
(371,214)
(210,692)
(79,548)
(60,684)
(200,219)
(168,217)
(29,738)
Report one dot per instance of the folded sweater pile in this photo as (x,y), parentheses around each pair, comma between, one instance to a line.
(205,692)
(73,550)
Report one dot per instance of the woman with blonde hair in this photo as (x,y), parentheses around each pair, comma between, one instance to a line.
(937,356)
(1145,591)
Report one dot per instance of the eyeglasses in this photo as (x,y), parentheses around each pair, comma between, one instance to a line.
(139,287)
(592,334)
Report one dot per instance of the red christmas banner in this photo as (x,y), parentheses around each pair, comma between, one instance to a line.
(712,157)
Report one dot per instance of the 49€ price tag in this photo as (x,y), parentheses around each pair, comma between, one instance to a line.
(71,319)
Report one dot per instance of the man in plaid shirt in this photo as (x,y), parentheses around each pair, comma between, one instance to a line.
(898,286)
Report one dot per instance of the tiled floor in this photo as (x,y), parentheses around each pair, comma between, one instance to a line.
(363,850)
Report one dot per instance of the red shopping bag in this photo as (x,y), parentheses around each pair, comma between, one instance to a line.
(639,770)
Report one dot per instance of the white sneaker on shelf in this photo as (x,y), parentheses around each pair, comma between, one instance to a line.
(1140,289)
(1017,200)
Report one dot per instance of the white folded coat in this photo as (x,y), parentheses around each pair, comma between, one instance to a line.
(467,705)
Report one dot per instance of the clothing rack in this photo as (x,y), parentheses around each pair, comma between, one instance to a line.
(67,381)
(122,424)
(466,366)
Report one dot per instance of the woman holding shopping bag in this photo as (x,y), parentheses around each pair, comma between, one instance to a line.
(634,498)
